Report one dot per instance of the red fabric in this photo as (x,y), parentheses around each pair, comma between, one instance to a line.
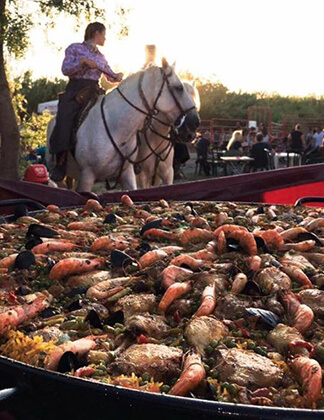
(277,186)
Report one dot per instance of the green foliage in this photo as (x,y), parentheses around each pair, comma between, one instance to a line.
(14,27)
(40,90)
(218,101)
(33,131)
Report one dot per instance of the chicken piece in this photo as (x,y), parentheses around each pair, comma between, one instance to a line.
(313,298)
(247,368)
(88,279)
(271,280)
(233,307)
(136,304)
(48,334)
(283,337)
(182,307)
(162,362)
(150,325)
(202,330)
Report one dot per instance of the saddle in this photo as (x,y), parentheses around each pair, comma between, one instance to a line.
(86,97)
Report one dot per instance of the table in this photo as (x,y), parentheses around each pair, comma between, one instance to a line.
(293,159)
(236,163)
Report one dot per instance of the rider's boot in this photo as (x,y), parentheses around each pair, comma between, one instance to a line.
(59,171)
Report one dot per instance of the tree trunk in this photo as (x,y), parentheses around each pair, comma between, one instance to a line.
(9,132)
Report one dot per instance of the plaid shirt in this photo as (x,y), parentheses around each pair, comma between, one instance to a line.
(72,68)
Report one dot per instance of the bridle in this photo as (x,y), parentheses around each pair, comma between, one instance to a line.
(151,115)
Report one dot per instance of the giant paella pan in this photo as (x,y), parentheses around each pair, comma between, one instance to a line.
(178,309)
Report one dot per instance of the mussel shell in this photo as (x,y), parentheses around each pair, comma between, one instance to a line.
(267,317)
(117,316)
(110,218)
(151,225)
(23,290)
(143,248)
(49,312)
(233,245)
(24,260)
(33,242)
(20,211)
(306,236)
(178,216)
(193,211)
(41,231)
(260,210)
(147,208)
(252,289)
(77,291)
(67,362)
(120,259)
(74,305)
(140,286)
(93,318)
(261,244)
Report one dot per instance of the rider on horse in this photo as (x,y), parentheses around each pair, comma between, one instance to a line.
(83,64)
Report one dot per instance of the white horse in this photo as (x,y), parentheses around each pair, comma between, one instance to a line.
(156,150)
(106,141)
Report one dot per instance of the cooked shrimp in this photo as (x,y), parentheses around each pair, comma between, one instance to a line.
(200,222)
(171,249)
(88,226)
(52,208)
(79,347)
(127,201)
(296,274)
(160,234)
(315,257)
(221,243)
(205,255)
(246,240)
(16,315)
(173,274)
(109,243)
(8,262)
(93,205)
(291,234)
(186,259)
(309,372)
(255,262)
(193,373)
(53,246)
(172,293)
(272,238)
(315,224)
(302,246)
(107,288)
(208,301)
(229,229)
(196,235)
(301,315)
(152,257)
(70,266)
(142,214)
(220,219)
(239,283)
(164,204)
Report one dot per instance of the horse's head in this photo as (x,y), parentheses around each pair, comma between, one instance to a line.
(177,103)
(186,132)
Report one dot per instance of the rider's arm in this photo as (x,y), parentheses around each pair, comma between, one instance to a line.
(72,61)
(111,75)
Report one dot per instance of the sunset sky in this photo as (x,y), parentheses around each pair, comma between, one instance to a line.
(248,45)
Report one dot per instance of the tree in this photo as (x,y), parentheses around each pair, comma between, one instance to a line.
(15,24)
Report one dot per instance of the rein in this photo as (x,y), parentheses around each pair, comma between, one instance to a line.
(151,114)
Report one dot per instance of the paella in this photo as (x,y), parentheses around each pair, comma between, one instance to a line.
(216,301)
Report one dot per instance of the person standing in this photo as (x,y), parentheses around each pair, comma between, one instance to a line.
(296,140)
(83,64)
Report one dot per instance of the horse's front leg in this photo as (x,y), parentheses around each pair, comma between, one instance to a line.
(86,180)
(128,178)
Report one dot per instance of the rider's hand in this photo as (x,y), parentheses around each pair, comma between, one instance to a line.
(119,77)
(90,63)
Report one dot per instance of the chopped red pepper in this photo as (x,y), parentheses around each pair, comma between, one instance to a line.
(142,339)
